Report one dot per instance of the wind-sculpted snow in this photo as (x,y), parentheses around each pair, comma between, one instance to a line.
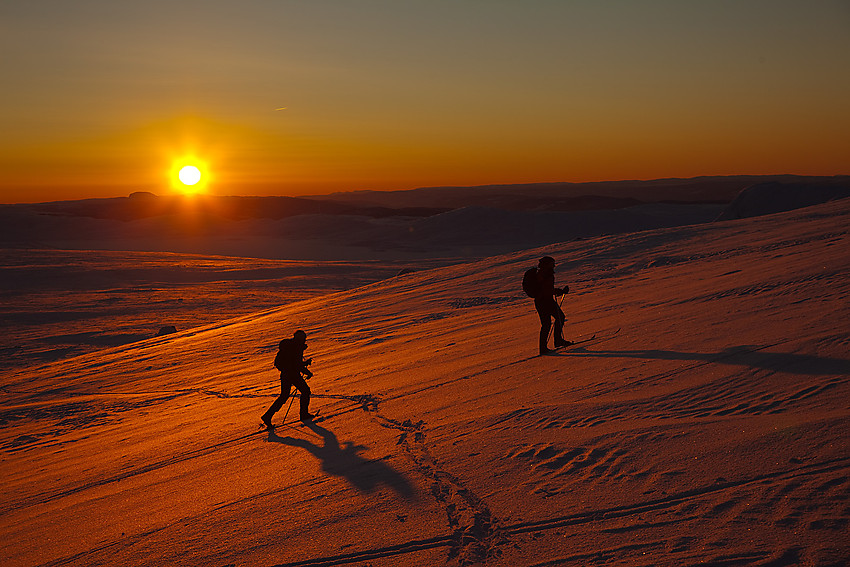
(710,429)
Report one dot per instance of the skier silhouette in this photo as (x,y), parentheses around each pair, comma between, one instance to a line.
(291,363)
(546,306)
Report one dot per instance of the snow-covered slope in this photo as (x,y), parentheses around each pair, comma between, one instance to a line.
(712,428)
(775,197)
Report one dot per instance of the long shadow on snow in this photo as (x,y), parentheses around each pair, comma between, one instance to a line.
(744,355)
(345,461)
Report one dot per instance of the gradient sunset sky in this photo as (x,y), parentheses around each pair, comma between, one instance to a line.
(105,97)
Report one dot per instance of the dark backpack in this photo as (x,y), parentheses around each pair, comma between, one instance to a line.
(530,285)
(285,354)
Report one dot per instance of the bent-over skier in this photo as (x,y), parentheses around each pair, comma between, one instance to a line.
(292,365)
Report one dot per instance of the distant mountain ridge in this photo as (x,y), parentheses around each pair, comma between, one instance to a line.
(142,205)
(577,196)
(428,201)
(440,222)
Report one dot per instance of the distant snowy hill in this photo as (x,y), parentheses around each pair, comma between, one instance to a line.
(775,197)
(574,196)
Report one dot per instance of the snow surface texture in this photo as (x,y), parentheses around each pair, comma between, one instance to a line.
(62,303)
(712,429)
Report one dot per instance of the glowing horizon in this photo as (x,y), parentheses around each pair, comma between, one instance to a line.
(299,99)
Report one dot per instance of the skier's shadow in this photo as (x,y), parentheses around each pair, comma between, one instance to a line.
(744,355)
(345,461)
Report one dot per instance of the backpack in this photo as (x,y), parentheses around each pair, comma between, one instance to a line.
(286,351)
(530,284)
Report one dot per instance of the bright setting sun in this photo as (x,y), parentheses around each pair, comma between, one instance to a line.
(189,175)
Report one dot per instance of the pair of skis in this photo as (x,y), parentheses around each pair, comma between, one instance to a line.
(593,337)
(293,423)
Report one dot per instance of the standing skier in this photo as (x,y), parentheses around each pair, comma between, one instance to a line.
(291,363)
(547,307)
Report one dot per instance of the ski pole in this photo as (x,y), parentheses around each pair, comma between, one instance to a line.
(549,336)
(291,399)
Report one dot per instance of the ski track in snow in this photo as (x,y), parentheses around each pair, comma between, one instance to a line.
(474,534)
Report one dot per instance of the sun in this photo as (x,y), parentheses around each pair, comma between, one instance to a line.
(189,175)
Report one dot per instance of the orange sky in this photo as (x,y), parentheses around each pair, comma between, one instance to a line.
(102,98)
